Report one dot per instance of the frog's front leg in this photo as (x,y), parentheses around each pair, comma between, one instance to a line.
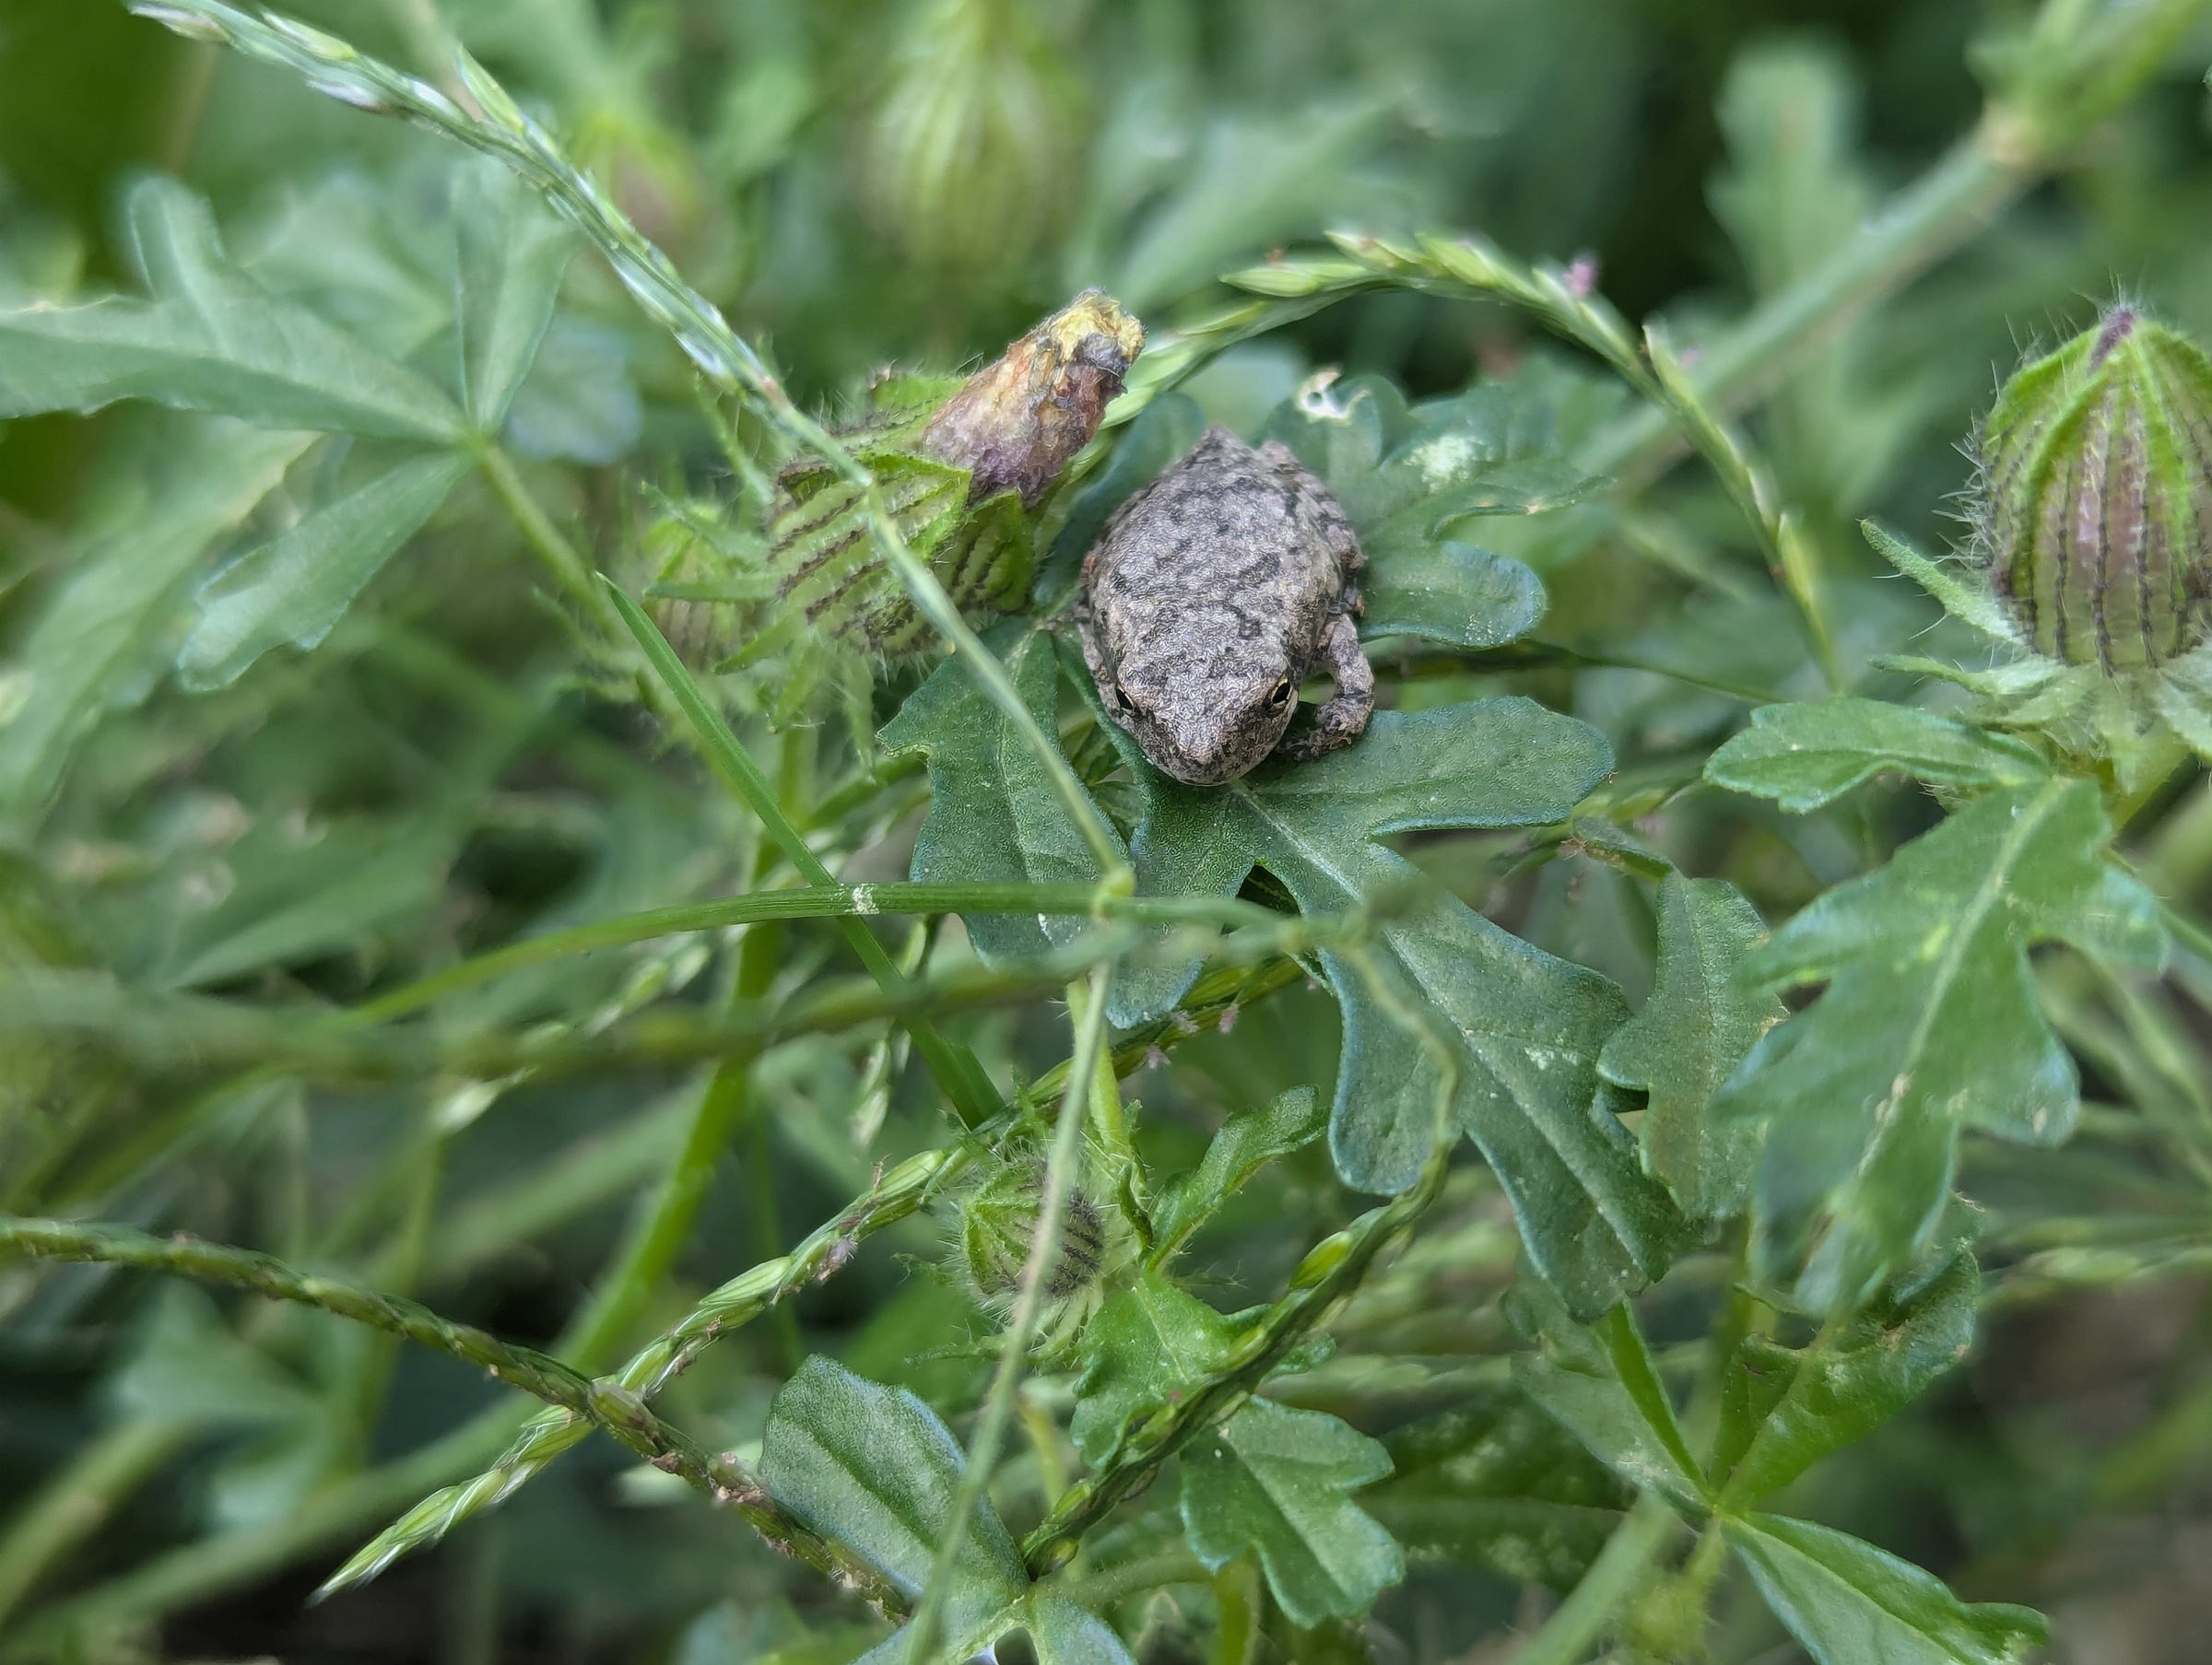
(1342,718)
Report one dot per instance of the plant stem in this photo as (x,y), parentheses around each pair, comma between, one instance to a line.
(614,1411)
(264,1274)
(1087,1005)
(830,901)
(958,1072)
(1620,1571)
(562,559)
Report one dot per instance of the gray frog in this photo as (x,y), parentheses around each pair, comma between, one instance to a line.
(1210,596)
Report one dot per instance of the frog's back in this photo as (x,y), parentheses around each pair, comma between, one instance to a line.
(1214,547)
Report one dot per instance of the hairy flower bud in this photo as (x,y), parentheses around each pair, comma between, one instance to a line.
(969,151)
(2095,518)
(999,1226)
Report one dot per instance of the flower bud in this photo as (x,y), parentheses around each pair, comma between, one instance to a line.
(2095,512)
(968,155)
(999,1226)
(1015,424)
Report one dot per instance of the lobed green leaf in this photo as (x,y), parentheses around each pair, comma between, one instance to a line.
(1805,757)
(209,338)
(1525,1028)
(1694,1030)
(1276,1481)
(1929,1024)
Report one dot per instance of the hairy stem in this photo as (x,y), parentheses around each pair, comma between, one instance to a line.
(1086,1004)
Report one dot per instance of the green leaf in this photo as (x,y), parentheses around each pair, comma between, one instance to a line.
(1929,1023)
(1692,1031)
(1063,1634)
(1146,1344)
(189,1365)
(1525,1028)
(211,339)
(995,816)
(1453,594)
(1785,1408)
(1277,1482)
(578,404)
(874,1468)
(1406,476)
(1499,1483)
(1599,1382)
(153,518)
(509,256)
(1849,1603)
(1247,1143)
(1806,756)
(297,586)
(1967,601)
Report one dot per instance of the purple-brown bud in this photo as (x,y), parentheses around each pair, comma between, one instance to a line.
(2095,512)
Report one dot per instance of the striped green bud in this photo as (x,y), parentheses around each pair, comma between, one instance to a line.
(2095,511)
(998,1229)
(969,155)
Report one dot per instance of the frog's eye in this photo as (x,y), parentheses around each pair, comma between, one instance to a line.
(1280,692)
(1123,700)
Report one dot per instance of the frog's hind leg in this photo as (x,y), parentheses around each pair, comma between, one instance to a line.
(1342,718)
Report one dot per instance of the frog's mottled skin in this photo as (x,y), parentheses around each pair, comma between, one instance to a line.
(1210,596)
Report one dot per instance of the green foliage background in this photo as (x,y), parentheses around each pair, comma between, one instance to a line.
(1819,1273)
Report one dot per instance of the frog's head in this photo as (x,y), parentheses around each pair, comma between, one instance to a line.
(1202,728)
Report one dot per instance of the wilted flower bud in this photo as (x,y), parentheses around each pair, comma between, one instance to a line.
(1016,422)
(998,1227)
(967,154)
(2095,514)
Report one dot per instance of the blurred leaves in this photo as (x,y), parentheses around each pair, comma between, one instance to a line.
(103,625)
(209,338)
(297,586)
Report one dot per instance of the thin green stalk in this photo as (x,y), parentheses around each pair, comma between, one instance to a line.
(1086,1004)
(209,1032)
(1621,1570)
(957,1070)
(76,1502)
(560,558)
(535,1373)
(1111,1584)
(828,901)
